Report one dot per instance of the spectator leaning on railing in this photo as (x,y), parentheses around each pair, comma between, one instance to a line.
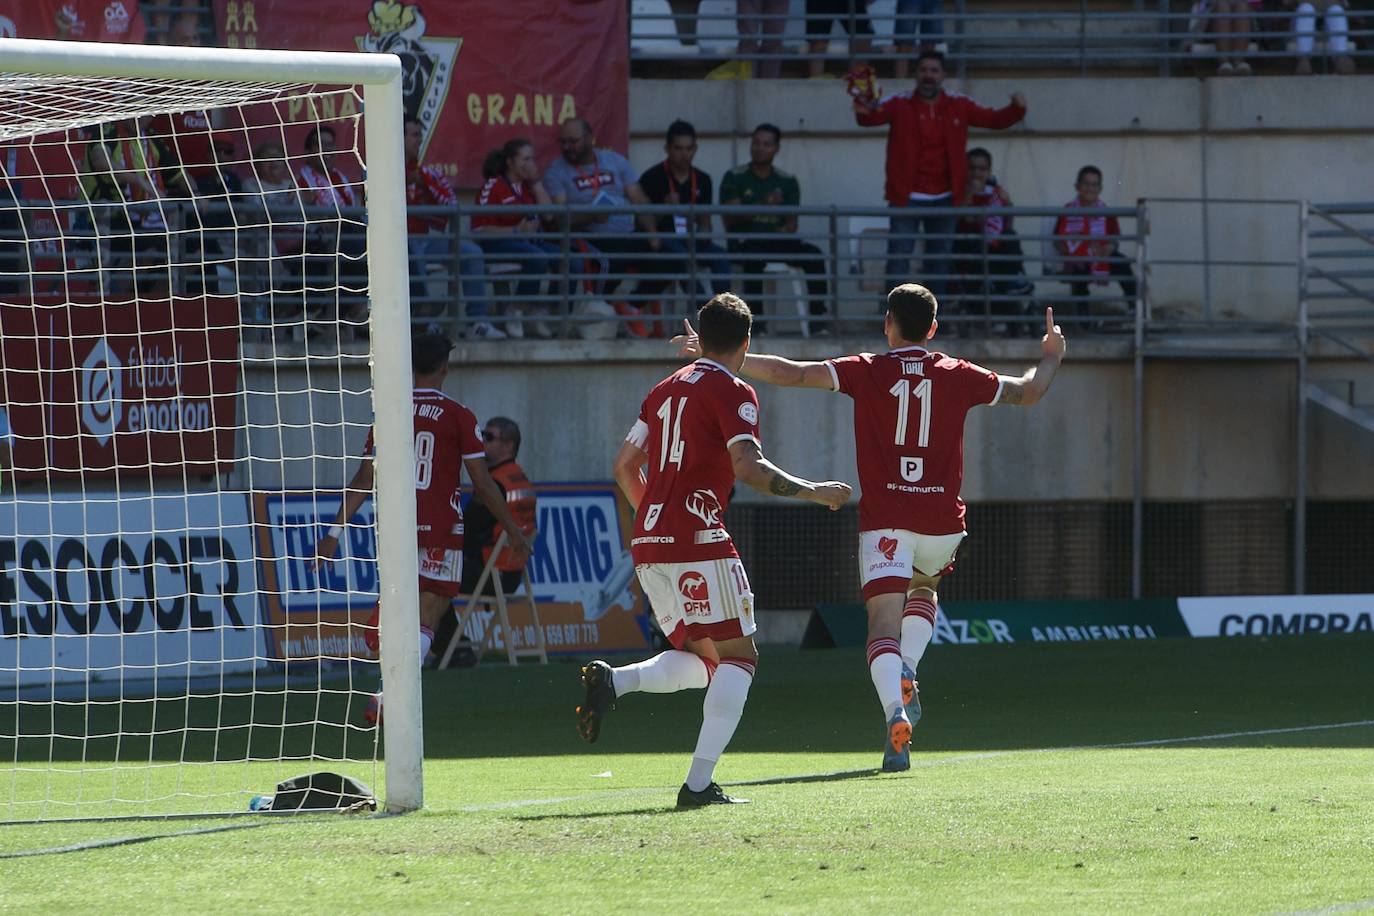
(769,238)
(1334,22)
(676,181)
(1088,243)
(512,178)
(331,237)
(987,254)
(928,131)
(584,175)
(429,244)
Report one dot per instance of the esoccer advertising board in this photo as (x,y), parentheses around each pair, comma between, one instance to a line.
(581,570)
(109,586)
(96,391)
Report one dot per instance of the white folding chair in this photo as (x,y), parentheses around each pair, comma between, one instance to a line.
(498,596)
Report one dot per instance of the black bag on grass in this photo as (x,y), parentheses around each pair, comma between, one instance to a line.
(322,792)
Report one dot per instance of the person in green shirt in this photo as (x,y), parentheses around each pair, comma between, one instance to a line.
(759,240)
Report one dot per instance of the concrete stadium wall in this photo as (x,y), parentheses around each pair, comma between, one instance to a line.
(1262,138)
(1213,430)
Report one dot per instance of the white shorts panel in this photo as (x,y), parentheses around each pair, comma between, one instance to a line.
(708,598)
(894,552)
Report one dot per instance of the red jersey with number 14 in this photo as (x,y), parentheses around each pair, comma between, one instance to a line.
(446,433)
(687,425)
(909,409)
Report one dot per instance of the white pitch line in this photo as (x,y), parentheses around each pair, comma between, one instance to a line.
(937,761)
(1355,906)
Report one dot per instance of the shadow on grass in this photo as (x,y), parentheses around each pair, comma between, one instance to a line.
(595,815)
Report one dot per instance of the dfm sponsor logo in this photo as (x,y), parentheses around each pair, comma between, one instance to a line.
(696,595)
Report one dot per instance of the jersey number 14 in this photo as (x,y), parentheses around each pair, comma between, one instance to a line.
(671,452)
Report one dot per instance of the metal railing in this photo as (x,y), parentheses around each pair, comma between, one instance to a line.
(1157,36)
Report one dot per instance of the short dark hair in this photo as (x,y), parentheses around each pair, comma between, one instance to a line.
(1088,170)
(913,307)
(723,323)
(312,139)
(429,353)
(508,430)
(773,129)
(680,128)
(979,151)
(932,55)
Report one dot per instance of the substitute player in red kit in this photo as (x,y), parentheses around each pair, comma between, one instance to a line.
(698,432)
(448,439)
(909,410)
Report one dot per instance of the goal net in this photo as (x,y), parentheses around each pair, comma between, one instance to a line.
(203,311)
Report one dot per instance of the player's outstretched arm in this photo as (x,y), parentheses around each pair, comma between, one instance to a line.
(1031,387)
(355,494)
(629,472)
(775,370)
(758,472)
(492,497)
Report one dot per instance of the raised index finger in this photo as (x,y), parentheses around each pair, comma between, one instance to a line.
(1049,319)
(687,327)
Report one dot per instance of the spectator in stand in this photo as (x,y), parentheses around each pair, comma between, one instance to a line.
(184,31)
(761,24)
(145,194)
(685,14)
(587,175)
(761,239)
(119,21)
(512,179)
(926,164)
(280,211)
(821,16)
(987,255)
(1230,21)
(103,177)
(430,245)
(1089,244)
(915,17)
(334,239)
(675,181)
(1332,13)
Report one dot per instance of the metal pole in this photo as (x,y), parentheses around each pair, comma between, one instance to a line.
(1300,418)
(1142,224)
(389,287)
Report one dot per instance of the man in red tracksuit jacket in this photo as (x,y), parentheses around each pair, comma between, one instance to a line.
(926,166)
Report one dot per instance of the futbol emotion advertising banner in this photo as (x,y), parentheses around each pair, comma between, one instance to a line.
(113,587)
(140,389)
(476,72)
(581,571)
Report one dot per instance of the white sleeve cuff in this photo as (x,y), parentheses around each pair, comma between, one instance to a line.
(638,434)
(743,436)
(997,396)
(834,376)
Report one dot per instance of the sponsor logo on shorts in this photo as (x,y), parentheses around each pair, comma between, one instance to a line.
(749,413)
(704,505)
(888,547)
(696,597)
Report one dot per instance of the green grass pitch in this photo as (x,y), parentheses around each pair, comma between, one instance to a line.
(1017,800)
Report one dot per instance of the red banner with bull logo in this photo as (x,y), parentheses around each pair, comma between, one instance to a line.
(476,72)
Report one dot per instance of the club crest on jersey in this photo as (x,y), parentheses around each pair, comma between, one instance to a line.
(428,62)
(749,413)
(888,547)
(704,505)
(696,596)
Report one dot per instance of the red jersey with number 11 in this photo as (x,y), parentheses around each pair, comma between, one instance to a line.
(687,425)
(446,433)
(909,409)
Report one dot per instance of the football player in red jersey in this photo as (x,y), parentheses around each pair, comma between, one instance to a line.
(698,432)
(448,439)
(909,410)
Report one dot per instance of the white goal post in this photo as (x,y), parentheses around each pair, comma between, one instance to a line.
(48,88)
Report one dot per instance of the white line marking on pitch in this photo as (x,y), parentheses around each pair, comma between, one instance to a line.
(941,761)
(1352,907)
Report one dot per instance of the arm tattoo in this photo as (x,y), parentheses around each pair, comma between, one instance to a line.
(781,486)
(1012,393)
